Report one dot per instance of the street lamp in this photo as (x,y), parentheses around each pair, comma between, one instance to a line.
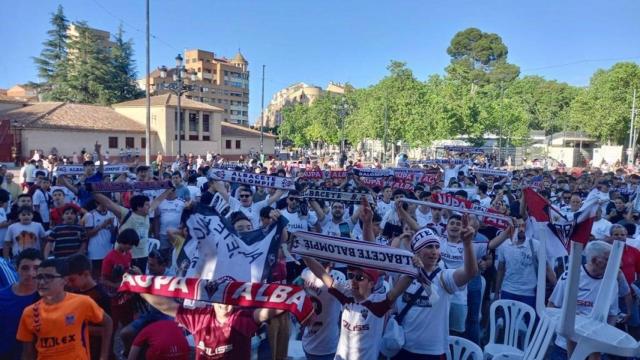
(178,87)
(343,110)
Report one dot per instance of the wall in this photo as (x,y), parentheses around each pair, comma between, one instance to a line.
(69,141)
(566,154)
(247,145)
(610,154)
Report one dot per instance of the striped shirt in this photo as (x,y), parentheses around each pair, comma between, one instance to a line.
(67,239)
(8,275)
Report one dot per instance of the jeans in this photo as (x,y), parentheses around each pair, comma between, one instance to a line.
(529,300)
(474,294)
(319,357)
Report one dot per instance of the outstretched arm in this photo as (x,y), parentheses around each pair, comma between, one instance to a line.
(113,207)
(464,274)
(164,304)
(399,288)
(318,270)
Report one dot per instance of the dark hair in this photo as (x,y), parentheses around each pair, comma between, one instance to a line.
(142,168)
(87,163)
(78,263)
(128,237)
(461,193)
(483,187)
(60,264)
(398,192)
(23,209)
(265,211)
(631,227)
(41,173)
(176,173)
(137,201)
(236,216)
(246,189)
(425,195)
(57,190)
(454,217)
(29,254)
(25,195)
(69,207)
(156,254)
(376,217)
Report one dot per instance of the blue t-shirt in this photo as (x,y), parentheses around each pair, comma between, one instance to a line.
(85,196)
(11,308)
(8,275)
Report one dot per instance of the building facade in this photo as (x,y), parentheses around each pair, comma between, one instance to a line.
(299,93)
(220,82)
(103,38)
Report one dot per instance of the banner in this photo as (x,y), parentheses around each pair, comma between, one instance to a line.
(489,216)
(491,172)
(371,172)
(246,178)
(430,177)
(354,252)
(311,175)
(231,166)
(341,196)
(497,220)
(372,183)
(253,295)
(79,169)
(443,161)
(337,174)
(122,186)
(464,149)
(221,253)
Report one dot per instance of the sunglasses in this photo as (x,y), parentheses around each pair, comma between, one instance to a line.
(245,196)
(47,277)
(357,277)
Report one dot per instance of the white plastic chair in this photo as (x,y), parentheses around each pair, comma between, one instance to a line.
(153,244)
(539,343)
(517,317)
(463,349)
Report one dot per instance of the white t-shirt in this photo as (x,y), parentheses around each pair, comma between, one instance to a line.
(252,212)
(24,236)
(520,272)
(588,288)
(451,255)
(382,208)
(601,229)
(322,332)
(194,192)
(423,219)
(100,243)
(298,222)
(332,229)
(485,202)
(361,324)
(41,199)
(170,212)
(426,324)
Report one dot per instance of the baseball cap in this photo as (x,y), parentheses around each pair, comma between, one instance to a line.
(373,274)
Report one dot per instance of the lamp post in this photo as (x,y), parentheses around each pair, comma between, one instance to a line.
(343,110)
(178,87)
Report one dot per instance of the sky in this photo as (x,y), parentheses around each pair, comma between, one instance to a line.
(342,41)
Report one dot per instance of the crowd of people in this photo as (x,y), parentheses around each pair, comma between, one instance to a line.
(67,248)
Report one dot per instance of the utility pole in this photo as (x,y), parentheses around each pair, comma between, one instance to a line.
(632,130)
(384,135)
(262,119)
(147,132)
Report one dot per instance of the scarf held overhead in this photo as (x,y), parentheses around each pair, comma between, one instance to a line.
(247,178)
(342,196)
(117,186)
(79,169)
(254,295)
(353,252)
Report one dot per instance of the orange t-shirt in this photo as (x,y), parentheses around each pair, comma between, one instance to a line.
(61,330)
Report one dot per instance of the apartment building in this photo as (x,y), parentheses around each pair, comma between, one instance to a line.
(220,82)
(298,93)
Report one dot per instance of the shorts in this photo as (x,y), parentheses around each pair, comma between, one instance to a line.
(457,317)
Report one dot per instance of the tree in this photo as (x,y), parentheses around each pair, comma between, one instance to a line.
(295,122)
(52,62)
(546,103)
(479,58)
(122,84)
(603,109)
(89,69)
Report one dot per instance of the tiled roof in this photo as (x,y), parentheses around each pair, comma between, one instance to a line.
(232,130)
(9,99)
(60,115)
(170,100)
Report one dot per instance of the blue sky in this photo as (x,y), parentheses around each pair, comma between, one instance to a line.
(344,41)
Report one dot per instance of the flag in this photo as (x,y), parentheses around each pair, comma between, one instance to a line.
(221,253)
(583,221)
(540,226)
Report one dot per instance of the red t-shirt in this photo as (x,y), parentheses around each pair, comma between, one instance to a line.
(630,264)
(231,340)
(55,214)
(164,340)
(112,260)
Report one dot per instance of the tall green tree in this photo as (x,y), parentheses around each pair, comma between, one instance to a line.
(52,62)
(295,121)
(122,84)
(90,69)
(479,58)
(604,108)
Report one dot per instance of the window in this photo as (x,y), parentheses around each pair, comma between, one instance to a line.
(237,144)
(227,144)
(206,137)
(143,143)
(193,122)
(129,142)
(205,123)
(113,142)
(193,137)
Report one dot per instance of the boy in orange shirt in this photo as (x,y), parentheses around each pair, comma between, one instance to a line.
(56,327)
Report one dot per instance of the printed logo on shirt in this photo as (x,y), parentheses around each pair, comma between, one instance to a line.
(217,351)
(365,313)
(69,319)
(48,342)
(354,327)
